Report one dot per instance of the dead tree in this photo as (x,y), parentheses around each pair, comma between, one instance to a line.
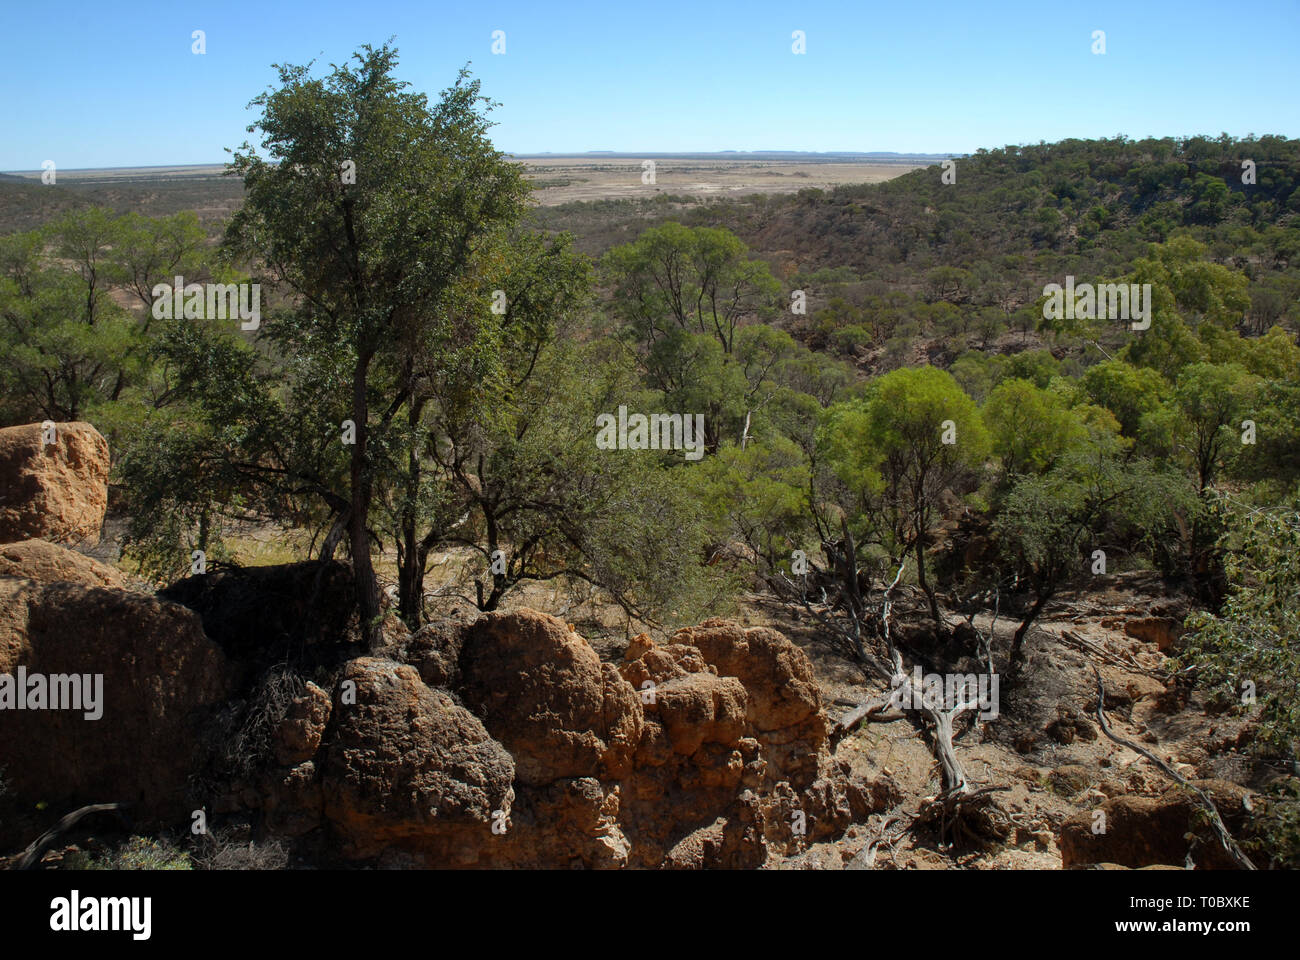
(32,855)
(854,628)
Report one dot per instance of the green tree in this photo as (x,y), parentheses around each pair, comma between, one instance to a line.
(1030,427)
(1049,524)
(915,436)
(380,264)
(72,347)
(699,280)
(1250,642)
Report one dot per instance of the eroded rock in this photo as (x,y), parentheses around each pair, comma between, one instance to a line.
(53,491)
(160,675)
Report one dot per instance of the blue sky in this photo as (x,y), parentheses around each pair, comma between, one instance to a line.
(88,85)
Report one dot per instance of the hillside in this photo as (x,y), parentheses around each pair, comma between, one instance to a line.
(843,450)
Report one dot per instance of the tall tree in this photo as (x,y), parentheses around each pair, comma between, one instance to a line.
(373,208)
(915,435)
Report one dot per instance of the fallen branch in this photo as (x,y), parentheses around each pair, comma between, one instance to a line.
(1128,663)
(32,855)
(1225,838)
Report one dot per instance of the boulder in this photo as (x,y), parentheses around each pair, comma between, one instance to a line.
(160,675)
(701,708)
(408,767)
(264,615)
(778,675)
(541,690)
(1144,831)
(50,563)
(53,491)
(297,737)
(507,742)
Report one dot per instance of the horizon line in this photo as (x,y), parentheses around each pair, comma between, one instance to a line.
(552,153)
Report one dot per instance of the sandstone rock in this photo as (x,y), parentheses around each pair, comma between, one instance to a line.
(293,800)
(410,768)
(50,563)
(298,735)
(434,650)
(777,673)
(701,708)
(263,615)
(586,767)
(160,675)
(57,491)
(541,691)
(568,823)
(728,843)
(1143,831)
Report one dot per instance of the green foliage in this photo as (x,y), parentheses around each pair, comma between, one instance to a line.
(891,455)
(1050,524)
(1030,427)
(1130,393)
(72,349)
(1204,419)
(693,280)
(138,853)
(1250,644)
(758,494)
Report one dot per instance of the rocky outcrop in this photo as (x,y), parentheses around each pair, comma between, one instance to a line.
(147,674)
(53,491)
(1164,632)
(506,741)
(265,615)
(541,691)
(408,767)
(47,562)
(1144,831)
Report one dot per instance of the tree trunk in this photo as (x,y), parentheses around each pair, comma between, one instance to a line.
(1017,643)
(925,583)
(363,571)
(411,563)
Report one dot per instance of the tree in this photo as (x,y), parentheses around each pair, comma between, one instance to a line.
(699,280)
(381,263)
(1249,643)
(1030,427)
(1209,401)
(1049,524)
(913,437)
(70,346)
(1130,393)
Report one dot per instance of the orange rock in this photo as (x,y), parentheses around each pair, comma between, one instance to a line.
(56,491)
(49,563)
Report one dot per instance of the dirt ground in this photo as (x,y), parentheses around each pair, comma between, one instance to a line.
(567,179)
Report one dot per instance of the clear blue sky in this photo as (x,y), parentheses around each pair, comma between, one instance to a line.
(97,84)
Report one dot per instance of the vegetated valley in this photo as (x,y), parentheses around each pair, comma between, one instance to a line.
(947,521)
